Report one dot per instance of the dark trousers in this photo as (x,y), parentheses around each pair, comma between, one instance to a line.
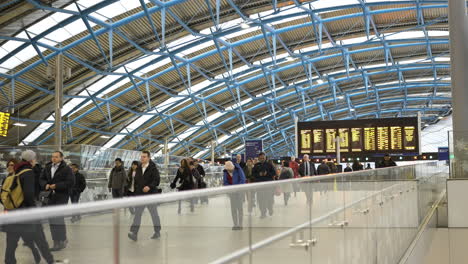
(117,193)
(75,197)
(32,239)
(153,209)
(58,229)
(192,205)
(237,211)
(286,197)
(265,199)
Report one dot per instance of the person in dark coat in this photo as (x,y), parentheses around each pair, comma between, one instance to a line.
(201,182)
(387,162)
(240,161)
(117,179)
(146,182)
(32,232)
(187,181)
(348,168)
(307,167)
(58,178)
(323,168)
(78,188)
(357,166)
(263,171)
(37,169)
(233,175)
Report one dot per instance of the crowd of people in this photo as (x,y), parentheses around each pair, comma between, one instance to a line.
(57,183)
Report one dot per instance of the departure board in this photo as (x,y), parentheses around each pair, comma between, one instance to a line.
(306,143)
(344,139)
(410,138)
(396,138)
(4,122)
(331,137)
(364,136)
(356,139)
(369,138)
(383,138)
(319,141)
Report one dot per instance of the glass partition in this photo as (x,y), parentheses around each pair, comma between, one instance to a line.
(359,217)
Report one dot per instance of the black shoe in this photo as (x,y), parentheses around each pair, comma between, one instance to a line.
(59,245)
(133,236)
(156,235)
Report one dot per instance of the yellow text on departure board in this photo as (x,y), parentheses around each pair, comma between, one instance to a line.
(4,121)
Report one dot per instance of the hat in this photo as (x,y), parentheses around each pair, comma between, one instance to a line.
(229,166)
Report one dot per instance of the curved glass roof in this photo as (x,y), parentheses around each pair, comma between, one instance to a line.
(215,70)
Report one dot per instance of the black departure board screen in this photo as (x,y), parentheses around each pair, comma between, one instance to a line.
(356,139)
(388,135)
(4,122)
(343,133)
(319,141)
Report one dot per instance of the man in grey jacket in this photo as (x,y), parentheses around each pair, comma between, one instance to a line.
(117,179)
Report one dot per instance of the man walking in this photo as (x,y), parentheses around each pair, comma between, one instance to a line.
(146,182)
(307,168)
(264,171)
(57,178)
(117,179)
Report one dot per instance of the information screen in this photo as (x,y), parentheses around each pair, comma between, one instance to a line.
(369,138)
(396,138)
(319,141)
(4,122)
(382,138)
(344,139)
(331,136)
(364,136)
(410,138)
(306,142)
(356,139)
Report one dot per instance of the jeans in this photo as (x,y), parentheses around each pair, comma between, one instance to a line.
(237,211)
(33,239)
(153,209)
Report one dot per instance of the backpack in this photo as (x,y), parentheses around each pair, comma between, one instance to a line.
(11,195)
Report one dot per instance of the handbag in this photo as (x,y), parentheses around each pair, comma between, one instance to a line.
(44,197)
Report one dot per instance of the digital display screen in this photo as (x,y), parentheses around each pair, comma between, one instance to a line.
(409,141)
(369,138)
(382,138)
(356,139)
(4,122)
(364,136)
(306,142)
(319,141)
(344,139)
(396,138)
(331,136)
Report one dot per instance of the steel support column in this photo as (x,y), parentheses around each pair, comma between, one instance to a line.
(58,100)
(458,26)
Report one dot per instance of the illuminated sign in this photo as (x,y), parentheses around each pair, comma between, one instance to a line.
(306,142)
(364,136)
(396,138)
(331,137)
(4,121)
(369,138)
(344,139)
(382,138)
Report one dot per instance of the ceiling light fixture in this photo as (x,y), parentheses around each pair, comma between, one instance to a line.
(19,124)
(104,137)
(244,25)
(319,81)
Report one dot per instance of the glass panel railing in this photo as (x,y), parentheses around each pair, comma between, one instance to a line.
(359,217)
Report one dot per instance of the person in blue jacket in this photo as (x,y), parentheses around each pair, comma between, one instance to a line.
(233,174)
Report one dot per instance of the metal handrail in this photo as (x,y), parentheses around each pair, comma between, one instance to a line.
(42,213)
